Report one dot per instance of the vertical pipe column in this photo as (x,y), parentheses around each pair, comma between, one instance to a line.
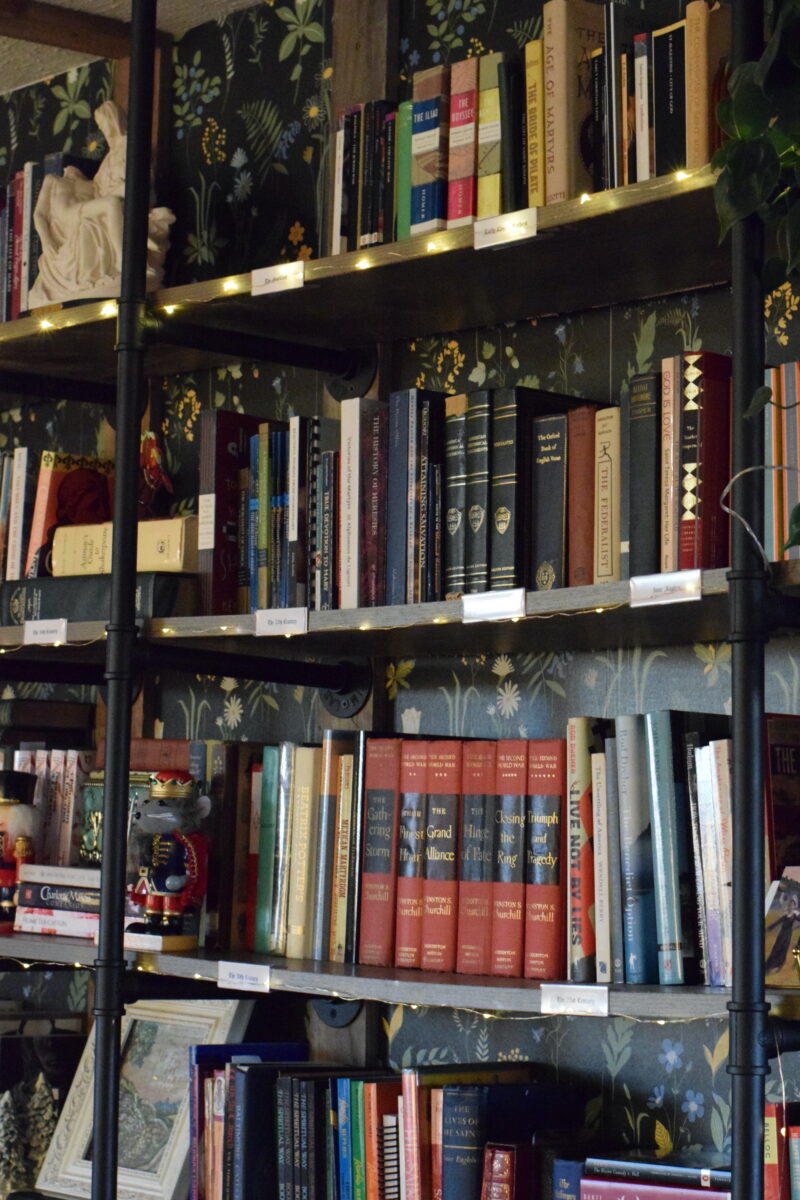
(121,630)
(748,1013)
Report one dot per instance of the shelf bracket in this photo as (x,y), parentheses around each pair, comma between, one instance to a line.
(781,1037)
(349,372)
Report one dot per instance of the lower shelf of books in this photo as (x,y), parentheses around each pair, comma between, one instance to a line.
(386,985)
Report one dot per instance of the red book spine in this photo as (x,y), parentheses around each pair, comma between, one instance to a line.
(705,460)
(410,846)
(473,941)
(440,859)
(580,495)
(416,1148)
(380,1098)
(379,863)
(545,860)
(508,886)
(634,1189)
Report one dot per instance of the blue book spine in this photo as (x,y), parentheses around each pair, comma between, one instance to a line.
(343,1134)
(567,1178)
(428,206)
(663,821)
(429,135)
(252,522)
(463,1137)
(397,498)
(636,854)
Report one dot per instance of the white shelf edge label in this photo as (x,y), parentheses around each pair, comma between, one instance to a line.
(280,278)
(504,228)
(206,505)
(243,977)
(671,587)
(493,606)
(45,633)
(574,999)
(274,622)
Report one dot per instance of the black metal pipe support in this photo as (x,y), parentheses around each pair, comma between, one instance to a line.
(748,1060)
(344,364)
(122,630)
(783,1037)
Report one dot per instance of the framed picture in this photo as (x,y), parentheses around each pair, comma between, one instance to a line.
(153,1100)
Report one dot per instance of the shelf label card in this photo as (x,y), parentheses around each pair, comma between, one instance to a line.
(52,632)
(671,587)
(507,227)
(206,505)
(243,977)
(280,278)
(274,622)
(494,606)
(574,999)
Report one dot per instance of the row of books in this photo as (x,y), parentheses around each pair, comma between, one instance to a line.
(19,242)
(628,94)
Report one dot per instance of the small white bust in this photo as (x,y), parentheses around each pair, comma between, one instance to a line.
(79,222)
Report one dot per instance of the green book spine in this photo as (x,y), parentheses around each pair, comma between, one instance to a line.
(402,175)
(357,1141)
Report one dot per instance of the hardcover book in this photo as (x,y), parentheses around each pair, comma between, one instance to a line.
(641,415)
(335,744)
(71,489)
(704,459)
(440,857)
(224,451)
(162,544)
(161,594)
(304,849)
(580,495)
(429,150)
(535,108)
(477,492)
(571,29)
(668,46)
(636,851)
(410,853)
(455,467)
(545,865)
(582,735)
(549,502)
(379,865)
(508,883)
(607,488)
(476,854)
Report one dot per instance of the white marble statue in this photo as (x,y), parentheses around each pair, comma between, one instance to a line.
(79,222)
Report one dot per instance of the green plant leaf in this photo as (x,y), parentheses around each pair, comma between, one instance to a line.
(752,110)
(746,182)
(794,528)
(725,119)
(760,400)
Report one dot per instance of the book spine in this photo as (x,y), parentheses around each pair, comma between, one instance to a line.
(643,411)
(262,914)
(355,849)
(305,815)
(567,1174)
(635,852)
(341,861)
(545,873)
(387,215)
(410,853)
(793,1141)
(600,847)
(704,460)
(397,498)
(534,114)
(224,451)
(489,160)
(508,881)
(298,511)
(570,31)
(607,487)
(669,97)
(614,864)
(455,466)
(642,90)
(580,495)
(476,855)
(507,510)
(720,762)
(379,868)
(461,164)
(403,168)
(65,922)
(670,460)
(631,1189)
(714,1178)
(663,823)
(16,513)
(16,245)
(59,896)
(548,568)
(329,594)
(602,148)
(374,463)
(513,137)
(334,744)
(430,131)
(463,1134)
(337,243)
(478,473)
(581,942)
(168,544)
(440,857)
(283,837)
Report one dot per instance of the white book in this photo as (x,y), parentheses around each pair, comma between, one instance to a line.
(338,244)
(641,100)
(602,886)
(63,922)
(712,870)
(77,877)
(302,859)
(721,752)
(16,513)
(349,491)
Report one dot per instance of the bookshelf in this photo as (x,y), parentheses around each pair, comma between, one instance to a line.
(669,234)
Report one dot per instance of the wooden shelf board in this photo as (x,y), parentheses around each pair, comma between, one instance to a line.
(387,986)
(622,244)
(582,618)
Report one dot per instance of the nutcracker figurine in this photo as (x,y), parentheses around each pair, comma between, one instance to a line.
(173,859)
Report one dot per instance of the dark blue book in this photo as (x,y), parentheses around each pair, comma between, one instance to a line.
(567,1178)
(707,1169)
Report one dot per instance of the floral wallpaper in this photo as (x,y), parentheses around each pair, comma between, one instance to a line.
(249,161)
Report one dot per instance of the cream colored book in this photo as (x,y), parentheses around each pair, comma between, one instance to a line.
(607,485)
(534,116)
(163,544)
(302,861)
(341,859)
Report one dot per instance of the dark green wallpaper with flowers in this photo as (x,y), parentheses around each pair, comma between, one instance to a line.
(249,162)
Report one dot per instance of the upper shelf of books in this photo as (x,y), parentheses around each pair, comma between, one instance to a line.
(642,240)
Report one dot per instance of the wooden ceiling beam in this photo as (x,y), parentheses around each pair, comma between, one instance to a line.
(66,28)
